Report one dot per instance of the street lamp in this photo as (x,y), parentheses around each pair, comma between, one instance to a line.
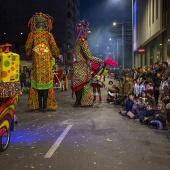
(123,55)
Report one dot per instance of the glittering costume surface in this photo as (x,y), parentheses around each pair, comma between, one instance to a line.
(81,67)
(41,46)
(81,70)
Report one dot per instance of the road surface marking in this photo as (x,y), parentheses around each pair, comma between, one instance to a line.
(57,143)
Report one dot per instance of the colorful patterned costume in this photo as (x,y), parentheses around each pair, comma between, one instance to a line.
(97,83)
(10,89)
(41,46)
(81,69)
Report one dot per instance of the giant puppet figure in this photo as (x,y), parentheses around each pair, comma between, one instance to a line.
(81,68)
(41,46)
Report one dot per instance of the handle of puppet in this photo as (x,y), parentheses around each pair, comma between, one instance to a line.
(104,66)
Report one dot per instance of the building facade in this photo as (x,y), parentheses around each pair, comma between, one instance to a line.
(122,34)
(16,14)
(151,29)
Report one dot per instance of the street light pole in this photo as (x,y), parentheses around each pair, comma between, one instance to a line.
(117,49)
(123,47)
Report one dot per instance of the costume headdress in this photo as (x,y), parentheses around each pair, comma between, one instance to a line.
(40,21)
(82,28)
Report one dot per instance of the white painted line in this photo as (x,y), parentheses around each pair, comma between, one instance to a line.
(57,143)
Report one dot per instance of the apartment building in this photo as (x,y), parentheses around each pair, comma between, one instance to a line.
(151,29)
(16,14)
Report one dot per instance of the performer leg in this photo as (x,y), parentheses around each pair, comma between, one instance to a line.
(45,96)
(94,93)
(40,95)
(78,97)
(99,93)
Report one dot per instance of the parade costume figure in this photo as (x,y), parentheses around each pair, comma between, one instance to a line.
(41,46)
(81,68)
(97,84)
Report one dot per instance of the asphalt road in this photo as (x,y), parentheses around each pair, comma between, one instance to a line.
(88,138)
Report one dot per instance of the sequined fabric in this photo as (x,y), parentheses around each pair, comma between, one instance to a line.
(81,70)
(10,89)
(41,46)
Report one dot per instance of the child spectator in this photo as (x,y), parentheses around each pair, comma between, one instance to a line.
(143,96)
(141,87)
(136,88)
(143,116)
(149,96)
(129,104)
(138,106)
(160,116)
(149,84)
(112,94)
(109,86)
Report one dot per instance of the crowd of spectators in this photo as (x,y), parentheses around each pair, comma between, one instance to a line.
(144,94)
(25,78)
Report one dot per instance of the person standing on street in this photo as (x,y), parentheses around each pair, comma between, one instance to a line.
(41,46)
(81,68)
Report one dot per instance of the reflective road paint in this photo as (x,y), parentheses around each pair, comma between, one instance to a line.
(57,143)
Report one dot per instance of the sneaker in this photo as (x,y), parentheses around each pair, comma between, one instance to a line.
(124,113)
(165,128)
(137,120)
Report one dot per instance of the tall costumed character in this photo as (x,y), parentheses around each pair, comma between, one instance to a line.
(81,68)
(41,46)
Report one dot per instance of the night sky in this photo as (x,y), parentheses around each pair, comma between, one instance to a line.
(101,14)
(104,12)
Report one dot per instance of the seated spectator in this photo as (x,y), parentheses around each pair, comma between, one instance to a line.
(128,105)
(138,106)
(109,86)
(112,94)
(143,96)
(127,89)
(143,116)
(160,116)
(149,96)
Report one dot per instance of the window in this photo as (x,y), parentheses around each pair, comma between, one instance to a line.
(153,10)
(156,9)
